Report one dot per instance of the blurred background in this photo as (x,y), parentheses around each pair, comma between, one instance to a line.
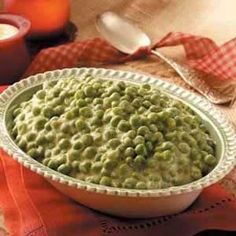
(214,19)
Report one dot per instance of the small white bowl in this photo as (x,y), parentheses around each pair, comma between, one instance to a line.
(118,201)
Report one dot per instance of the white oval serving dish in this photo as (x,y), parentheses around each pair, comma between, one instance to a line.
(118,201)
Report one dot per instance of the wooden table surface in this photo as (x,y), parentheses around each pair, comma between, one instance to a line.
(211,18)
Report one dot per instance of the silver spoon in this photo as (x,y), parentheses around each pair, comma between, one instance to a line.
(127,37)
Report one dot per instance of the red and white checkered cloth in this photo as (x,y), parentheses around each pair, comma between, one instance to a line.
(201,53)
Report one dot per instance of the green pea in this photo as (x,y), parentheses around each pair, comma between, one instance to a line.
(58,110)
(90,152)
(210,160)
(115,104)
(115,120)
(115,96)
(124,170)
(65,128)
(107,102)
(81,125)
(62,159)
(79,95)
(31,136)
(196,173)
(167,155)
(143,130)
(105,180)
(158,156)
(97,137)
(147,104)
(36,110)
(41,139)
(53,164)
(56,151)
(40,122)
(46,161)
(129,160)
(97,166)
(107,117)
(137,102)
(98,101)
(109,134)
(123,126)
(113,154)
(118,111)
(129,183)
(105,172)
(77,145)
(129,152)
(56,101)
(64,169)
(74,155)
(130,91)
(139,161)
(121,85)
(86,112)
(85,166)
(163,115)
(110,164)
(55,124)
(153,128)
(125,105)
(114,143)
(95,121)
(184,147)
(128,142)
(64,143)
(90,91)
(135,120)
(81,103)
(146,86)
(75,165)
(167,145)
(183,160)
(140,149)
(48,112)
(139,140)
(154,108)
(171,123)
(131,134)
(195,154)
(99,113)
(87,140)
(33,153)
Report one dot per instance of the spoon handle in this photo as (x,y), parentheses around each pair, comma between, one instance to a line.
(192,78)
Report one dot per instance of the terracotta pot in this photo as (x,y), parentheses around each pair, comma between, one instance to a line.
(14,56)
(48,17)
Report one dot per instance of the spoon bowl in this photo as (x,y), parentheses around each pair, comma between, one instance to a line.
(121,32)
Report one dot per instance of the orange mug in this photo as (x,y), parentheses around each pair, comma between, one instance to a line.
(48,17)
(14,56)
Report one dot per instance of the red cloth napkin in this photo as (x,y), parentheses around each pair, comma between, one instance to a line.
(201,53)
(33,207)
